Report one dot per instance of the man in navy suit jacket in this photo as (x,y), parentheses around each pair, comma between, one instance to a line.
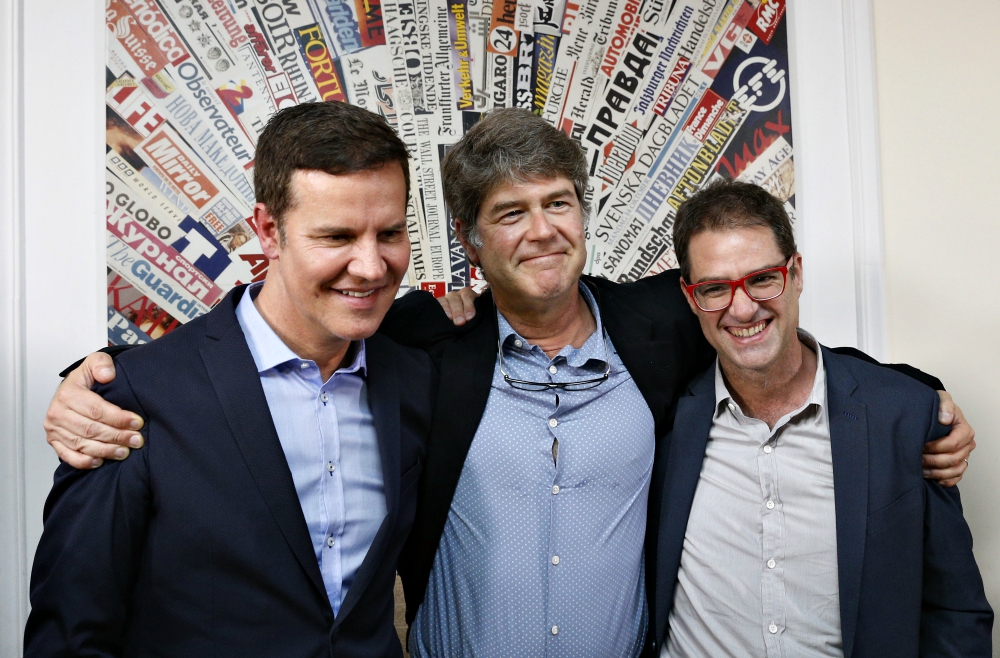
(795,517)
(266,515)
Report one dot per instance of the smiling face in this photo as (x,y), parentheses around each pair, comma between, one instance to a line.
(337,268)
(749,335)
(533,245)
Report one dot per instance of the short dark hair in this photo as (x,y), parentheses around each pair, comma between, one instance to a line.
(727,205)
(507,145)
(329,136)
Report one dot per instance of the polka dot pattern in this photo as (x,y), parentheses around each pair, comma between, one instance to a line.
(542,552)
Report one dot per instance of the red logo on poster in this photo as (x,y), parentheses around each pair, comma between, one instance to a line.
(436,288)
(766,20)
(706,115)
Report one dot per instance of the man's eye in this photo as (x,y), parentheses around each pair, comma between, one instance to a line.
(714,290)
(765,279)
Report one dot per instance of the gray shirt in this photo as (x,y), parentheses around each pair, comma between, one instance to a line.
(758,572)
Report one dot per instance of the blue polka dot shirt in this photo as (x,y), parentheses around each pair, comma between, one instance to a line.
(542,551)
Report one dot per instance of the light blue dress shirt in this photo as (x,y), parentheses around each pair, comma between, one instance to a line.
(542,553)
(328,436)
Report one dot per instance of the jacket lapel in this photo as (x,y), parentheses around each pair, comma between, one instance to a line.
(466,376)
(383,400)
(849,445)
(234,377)
(685,454)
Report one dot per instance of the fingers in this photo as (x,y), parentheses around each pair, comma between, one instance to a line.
(83,408)
(946,459)
(947,477)
(81,452)
(947,466)
(947,410)
(459,305)
(75,459)
(96,368)
(85,415)
(82,427)
(468,297)
(936,456)
(451,304)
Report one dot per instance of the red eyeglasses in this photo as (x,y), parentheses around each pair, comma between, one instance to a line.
(760,286)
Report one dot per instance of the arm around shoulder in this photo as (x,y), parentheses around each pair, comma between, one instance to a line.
(87,560)
(956,619)
(418,320)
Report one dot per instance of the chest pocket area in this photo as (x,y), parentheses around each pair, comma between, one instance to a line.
(410,476)
(907,510)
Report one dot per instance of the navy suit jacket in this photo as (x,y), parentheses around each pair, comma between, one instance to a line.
(197,545)
(909,584)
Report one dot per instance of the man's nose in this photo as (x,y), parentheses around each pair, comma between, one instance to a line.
(743,307)
(540,228)
(367,261)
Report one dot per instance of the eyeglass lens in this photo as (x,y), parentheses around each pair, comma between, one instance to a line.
(761,287)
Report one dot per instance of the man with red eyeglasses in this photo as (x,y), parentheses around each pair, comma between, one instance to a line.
(795,520)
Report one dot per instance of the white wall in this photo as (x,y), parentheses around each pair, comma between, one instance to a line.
(52,279)
(938,79)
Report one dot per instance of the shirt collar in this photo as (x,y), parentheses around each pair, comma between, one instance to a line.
(817,396)
(267,348)
(594,349)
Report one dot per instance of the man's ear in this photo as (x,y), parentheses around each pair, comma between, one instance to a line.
(684,292)
(470,250)
(798,280)
(267,231)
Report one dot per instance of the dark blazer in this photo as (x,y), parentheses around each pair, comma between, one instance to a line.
(196,545)
(909,584)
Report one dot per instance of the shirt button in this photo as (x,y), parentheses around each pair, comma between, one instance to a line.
(770,504)
(772,628)
(553,422)
(555,489)
(331,467)
(771,563)
(732,407)
(324,397)
(330,541)
(553,369)
(518,343)
(767,450)
(303,365)
(555,559)
(555,630)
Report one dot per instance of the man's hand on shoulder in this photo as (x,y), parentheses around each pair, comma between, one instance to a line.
(459,305)
(81,427)
(946,459)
